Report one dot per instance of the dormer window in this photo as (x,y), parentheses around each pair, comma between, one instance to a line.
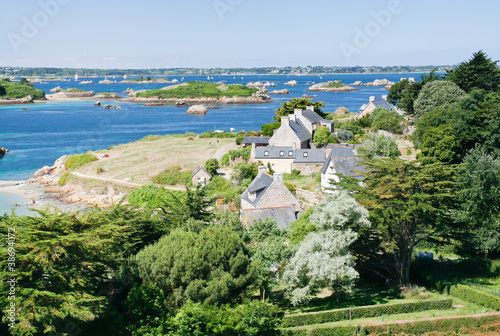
(266,153)
(290,153)
(306,154)
(282,153)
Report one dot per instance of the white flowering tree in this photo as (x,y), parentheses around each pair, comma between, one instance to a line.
(323,258)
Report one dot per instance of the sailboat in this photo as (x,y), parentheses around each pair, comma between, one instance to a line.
(76,76)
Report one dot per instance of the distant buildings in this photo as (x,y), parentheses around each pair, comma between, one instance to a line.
(366,109)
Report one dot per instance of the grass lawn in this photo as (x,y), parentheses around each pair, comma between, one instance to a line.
(306,182)
(139,161)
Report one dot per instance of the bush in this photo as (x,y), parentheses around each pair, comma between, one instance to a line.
(388,121)
(173,175)
(63,179)
(476,296)
(243,153)
(77,161)
(224,161)
(211,166)
(295,172)
(219,135)
(365,311)
(290,187)
(459,325)
(238,140)
(268,129)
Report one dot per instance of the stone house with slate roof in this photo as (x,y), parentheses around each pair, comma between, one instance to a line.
(366,109)
(297,129)
(285,159)
(342,160)
(268,197)
(200,177)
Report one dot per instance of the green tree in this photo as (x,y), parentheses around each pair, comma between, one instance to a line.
(404,93)
(387,120)
(211,166)
(289,107)
(268,129)
(438,94)
(379,146)
(440,145)
(479,177)
(211,267)
(321,136)
(245,172)
(323,258)
(408,203)
(479,72)
(63,264)
(301,227)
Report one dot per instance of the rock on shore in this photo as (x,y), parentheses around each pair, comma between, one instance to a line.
(12,101)
(279,92)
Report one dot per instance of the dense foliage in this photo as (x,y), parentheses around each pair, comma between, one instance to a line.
(76,161)
(21,89)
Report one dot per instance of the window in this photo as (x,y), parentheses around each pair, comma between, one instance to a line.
(282,153)
(266,153)
(306,154)
(290,153)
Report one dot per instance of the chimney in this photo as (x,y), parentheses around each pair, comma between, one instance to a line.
(297,113)
(262,169)
(278,177)
(285,121)
(310,108)
(384,97)
(372,98)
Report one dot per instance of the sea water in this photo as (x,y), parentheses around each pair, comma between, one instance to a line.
(38,134)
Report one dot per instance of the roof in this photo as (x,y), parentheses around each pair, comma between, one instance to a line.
(283,215)
(255,140)
(379,103)
(274,152)
(310,155)
(344,165)
(298,155)
(314,117)
(339,151)
(259,186)
(300,130)
(197,170)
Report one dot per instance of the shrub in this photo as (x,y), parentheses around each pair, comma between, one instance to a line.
(388,121)
(173,175)
(476,296)
(345,135)
(238,140)
(460,325)
(77,161)
(219,135)
(211,166)
(243,153)
(365,311)
(290,187)
(63,179)
(224,161)
(268,129)
(295,172)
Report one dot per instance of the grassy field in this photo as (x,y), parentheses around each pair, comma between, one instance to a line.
(140,161)
(305,182)
(200,90)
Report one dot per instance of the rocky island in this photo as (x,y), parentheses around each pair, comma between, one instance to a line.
(331,86)
(71,93)
(21,92)
(201,93)
(3,151)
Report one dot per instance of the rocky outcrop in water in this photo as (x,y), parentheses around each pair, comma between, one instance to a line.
(279,92)
(254,99)
(3,151)
(332,86)
(197,109)
(13,101)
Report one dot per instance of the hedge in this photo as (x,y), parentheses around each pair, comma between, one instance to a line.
(458,325)
(476,296)
(362,312)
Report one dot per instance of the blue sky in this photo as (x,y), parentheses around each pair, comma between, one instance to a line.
(245,33)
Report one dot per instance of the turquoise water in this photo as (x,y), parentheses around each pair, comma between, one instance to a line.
(13,202)
(39,135)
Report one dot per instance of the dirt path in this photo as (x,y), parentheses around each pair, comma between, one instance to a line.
(125,183)
(221,151)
